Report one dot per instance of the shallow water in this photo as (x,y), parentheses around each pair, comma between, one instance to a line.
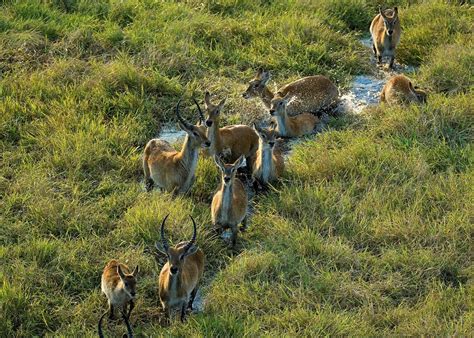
(364,91)
(172,135)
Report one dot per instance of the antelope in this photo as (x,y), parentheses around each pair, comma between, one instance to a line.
(119,285)
(313,94)
(236,140)
(385,31)
(400,89)
(172,170)
(229,204)
(290,126)
(180,276)
(269,164)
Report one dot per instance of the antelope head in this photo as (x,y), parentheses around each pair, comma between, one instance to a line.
(267,136)
(213,110)
(197,135)
(229,170)
(257,84)
(389,21)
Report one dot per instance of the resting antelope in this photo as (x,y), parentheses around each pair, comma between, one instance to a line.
(313,94)
(385,30)
(173,170)
(179,277)
(400,89)
(229,204)
(237,140)
(269,164)
(290,126)
(119,285)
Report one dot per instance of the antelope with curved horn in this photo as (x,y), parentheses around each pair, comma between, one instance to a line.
(173,170)
(400,89)
(314,94)
(119,285)
(385,31)
(229,204)
(291,126)
(180,276)
(232,141)
(269,164)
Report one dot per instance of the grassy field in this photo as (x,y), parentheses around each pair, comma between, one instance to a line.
(369,233)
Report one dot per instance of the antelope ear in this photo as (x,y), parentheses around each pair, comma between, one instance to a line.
(207,98)
(135,271)
(221,104)
(192,250)
(120,272)
(381,12)
(265,77)
(218,161)
(260,70)
(395,10)
(159,246)
(239,162)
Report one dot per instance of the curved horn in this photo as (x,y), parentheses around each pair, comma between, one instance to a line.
(127,323)
(193,239)
(99,329)
(164,242)
(201,115)
(180,118)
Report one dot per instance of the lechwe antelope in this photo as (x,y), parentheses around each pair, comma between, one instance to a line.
(173,170)
(269,164)
(290,126)
(229,204)
(231,141)
(400,89)
(119,285)
(385,30)
(313,94)
(180,276)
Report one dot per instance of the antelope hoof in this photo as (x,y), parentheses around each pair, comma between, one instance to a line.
(149,185)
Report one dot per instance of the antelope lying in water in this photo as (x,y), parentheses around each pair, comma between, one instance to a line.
(229,204)
(385,31)
(269,164)
(119,285)
(400,89)
(173,170)
(313,94)
(180,276)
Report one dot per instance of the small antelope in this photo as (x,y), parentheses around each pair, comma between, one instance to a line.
(119,285)
(236,139)
(400,89)
(385,30)
(269,164)
(313,93)
(179,277)
(290,126)
(229,204)
(171,170)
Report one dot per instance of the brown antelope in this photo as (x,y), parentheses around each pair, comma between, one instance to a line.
(269,164)
(290,126)
(173,170)
(313,94)
(400,89)
(233,141)
(119,285)
(385,30)
(180,276)
(229,204)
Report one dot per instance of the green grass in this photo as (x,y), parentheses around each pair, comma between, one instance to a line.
(369,232)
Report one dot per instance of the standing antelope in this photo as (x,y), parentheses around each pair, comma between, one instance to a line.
(385,30)
(171,170)
(400,89)
(269,164)
(313,94)
(237,139)
(290,126)
(179,277)
(229,204)
(119,285)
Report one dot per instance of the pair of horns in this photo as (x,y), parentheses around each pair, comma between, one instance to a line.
(183,121)
(164,241)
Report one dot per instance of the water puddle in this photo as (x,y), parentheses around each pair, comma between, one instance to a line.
(172,135)
(364,91)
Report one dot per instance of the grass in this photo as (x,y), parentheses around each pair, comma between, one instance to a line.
(369,232)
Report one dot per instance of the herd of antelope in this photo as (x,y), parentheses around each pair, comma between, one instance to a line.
(295,109)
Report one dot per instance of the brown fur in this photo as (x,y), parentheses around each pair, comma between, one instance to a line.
(312,93)
(172,170)
(384,44)
(399,89)
(229,204)
(291,126)
(267,170)
(233,141)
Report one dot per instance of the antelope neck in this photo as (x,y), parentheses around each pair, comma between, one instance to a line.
(267,97)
